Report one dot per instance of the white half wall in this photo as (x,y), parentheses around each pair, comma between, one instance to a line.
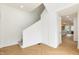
(32,35)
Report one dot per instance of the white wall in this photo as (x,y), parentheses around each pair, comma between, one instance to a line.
(12,22)
(32,35)
(53,18)
(45,27)
(50,29)
(75,28)
(53,30)
(78,28)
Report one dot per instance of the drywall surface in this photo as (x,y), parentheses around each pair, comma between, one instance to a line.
(13,22)
(32,35)
(53,33)
(75,24)
(78,28)
(45,27)
(53,30)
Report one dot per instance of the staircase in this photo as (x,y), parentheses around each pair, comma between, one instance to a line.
(32,34)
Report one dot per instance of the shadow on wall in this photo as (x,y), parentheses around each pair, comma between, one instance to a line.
(14,21)
(36,14)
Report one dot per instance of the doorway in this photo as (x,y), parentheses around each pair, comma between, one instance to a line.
(69,30)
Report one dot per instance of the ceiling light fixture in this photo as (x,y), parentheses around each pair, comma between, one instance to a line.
(67,16)
(21,6)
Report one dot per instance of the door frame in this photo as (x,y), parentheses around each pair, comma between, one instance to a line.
(76,29)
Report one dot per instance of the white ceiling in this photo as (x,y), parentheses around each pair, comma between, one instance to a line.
(69,19)
(60,7)
(26,6)
(69,10)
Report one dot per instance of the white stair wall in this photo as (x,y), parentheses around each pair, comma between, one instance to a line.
(32,35)
(13,22)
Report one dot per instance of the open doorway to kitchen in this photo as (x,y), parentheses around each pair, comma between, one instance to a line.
(69,30)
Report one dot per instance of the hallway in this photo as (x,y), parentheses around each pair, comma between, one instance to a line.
(68,47)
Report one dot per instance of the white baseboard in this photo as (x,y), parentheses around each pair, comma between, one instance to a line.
(51,45)
(8,44)
(25,46)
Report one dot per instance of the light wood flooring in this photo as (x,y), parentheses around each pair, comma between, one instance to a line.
(68,47)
